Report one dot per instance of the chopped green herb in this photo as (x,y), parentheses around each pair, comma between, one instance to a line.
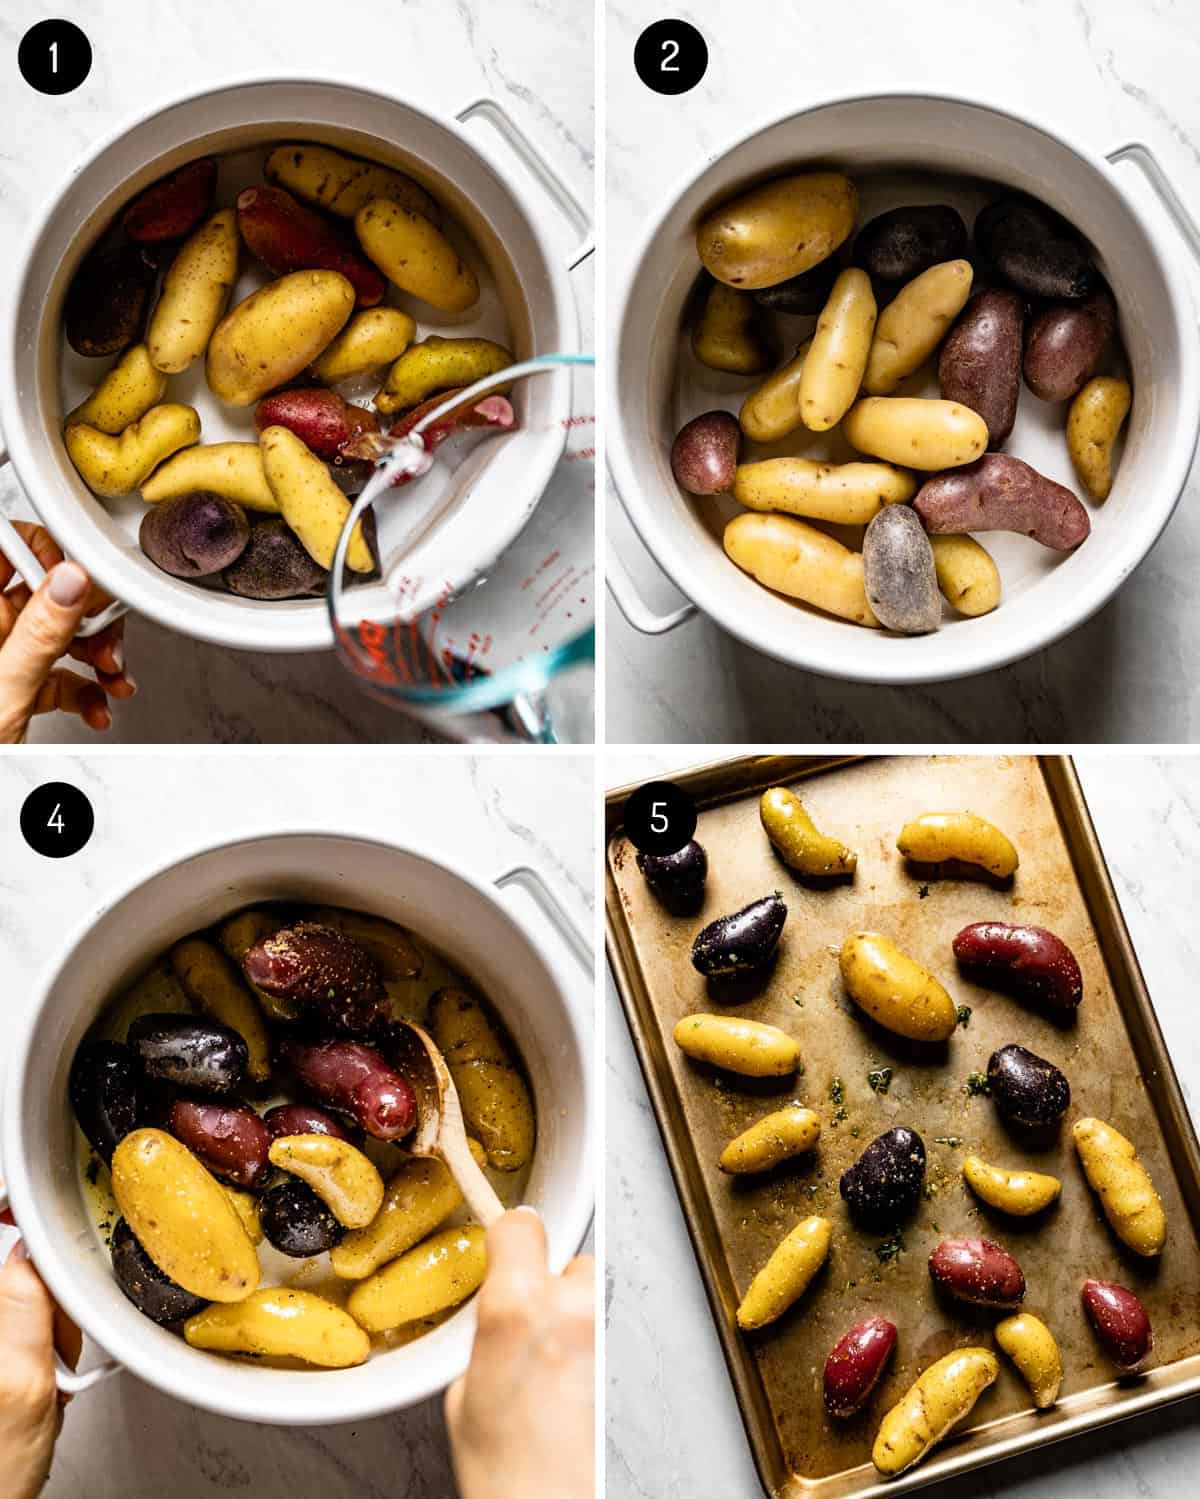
(952,1140)
(837,1093)
(890,1249)
(880,1080)
(855,1132)
(964,1015)
(930,1189)
(977,1083)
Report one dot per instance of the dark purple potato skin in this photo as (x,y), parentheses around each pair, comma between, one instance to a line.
(109,300)
(741,942)
(1028,961)
(1026,1088)
(302,1119)
(297,1222)
(194,535)
(1034,251)
(1066,344)
(154,1294)
(106,1094)
(803,295)
(978,1272)
(202,1056)
(900,244)
(884,1184)
(274,565)
(704,456)
(677,879)
(230,1139)
(980,363)
(1120,1322)
(855,1363)
(355,1080)
(322,972)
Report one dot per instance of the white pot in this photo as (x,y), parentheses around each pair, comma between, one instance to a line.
(527,296)
(465,918)
(891,142)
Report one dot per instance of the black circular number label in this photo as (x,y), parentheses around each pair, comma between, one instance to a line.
(660,818)
(57,820)
(54,57)
(671,57)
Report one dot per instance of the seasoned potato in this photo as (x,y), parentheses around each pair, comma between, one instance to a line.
(837,357)
(940,1397)
(495,1097)
(393,949)
(112,466)
(726,336)
(341,1176)
(233,470)
(417,1200)
(211,982)
(802,562)
(245,1205)
(1095,420)
(182,1217)
(967,576)
(275,333)
(415,255)
(787,1274)
(747,1047)
(786,1132)
(850,493)
(280,1322)
(343,184)
(778,230)
(1017,1192)
(124,396)
(912,326)
(311,503)
(439,364)
(772,409)
(935,837)
(742,941)
(796,839)
(371,339)
(1031,1346)
(1003,493)
(439,1273)
(894,989)
(927,435)
(1114,1172)
(195,291)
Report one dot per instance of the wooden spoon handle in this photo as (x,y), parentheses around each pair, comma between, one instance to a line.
(475,1187)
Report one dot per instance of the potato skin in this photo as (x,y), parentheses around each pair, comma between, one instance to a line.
(803,295)
(894,989)
(309,500)
(415,256)
(230,1140)
(125,394)
(1114,1172)
(1031,1346)
(968,578)
(1094,422)
(211,982)
(440,1272)
(341,1176)
(778,230)
(439,364)
(194,295)
(107,302)
(113,466)
(849,493)
(772,409)
(107,1094)
(798,560)
(321,419)
(194,535)
(154,1294)
(742,941)
(371,339)
(704,454)
(275,566)
(1019,1193)
(912,325)
(768,1141)
(900,575)
(884,1185)
(1027,960)
(677,879)
(172,207)
(796,839)
(726,336)
(275,333)
(855,1364)
(281,1322)
(496,1101)
(1066,344)
(904,242)
(231,469)
(837,356)
(1120,1322)
(343,184)
(1034,251)
(1027,1088)
(980,362)
(787,1274)
(978,1272)
(416,1201)
(393,949)
(920,434)
(747,1047)
(1002,493)
(941,1396)
(935,837)
(287,237)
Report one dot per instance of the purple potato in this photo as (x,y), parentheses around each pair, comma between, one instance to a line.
(704,456)
(900,244)
(884,1184)
(194,535)
(154,1294)
(1026,1088)
(106,1094)
(274,565)
(677,879)
(741,942)
(186,1051)
(803,295)
(1066,344)
(297,1222)
(108,300)
(1001,493)
(1035,251)
(980,362)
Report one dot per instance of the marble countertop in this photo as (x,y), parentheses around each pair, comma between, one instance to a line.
(1101,70)
(530,54)
(674,1428)
(124,1440)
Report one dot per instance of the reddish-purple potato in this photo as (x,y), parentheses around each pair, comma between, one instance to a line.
(302,1119)
(1120,1322)
(274,565)
(978,1272)
(355,1080)
(194,535)
(1001,493)
(174,205)
(323,421)
(704,456)
(855,1363)
(1027,961)
(1066,344)
(230,1139)
(321,972)
(980,362)
(287,236)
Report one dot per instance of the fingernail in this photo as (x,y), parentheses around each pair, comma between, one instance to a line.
(104,719)
(68,584)
(524,1207)
(116,652)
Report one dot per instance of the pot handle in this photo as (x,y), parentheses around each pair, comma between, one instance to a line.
(551,907)
(633,606)
(553,185)
(1151,168)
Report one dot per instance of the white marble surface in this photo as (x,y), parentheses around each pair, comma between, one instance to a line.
(1101,70)
(124,1440)
(673,1425)
(532,55)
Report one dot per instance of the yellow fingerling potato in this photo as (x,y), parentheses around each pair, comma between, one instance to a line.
(415,255)
(234,470)
(211,982)
(417,1200)
(772,409)
(372,338)
(912,325)
(124,396)
(1114,1172)
(310,501)
(439,1273)
(245,1205)
(343,184)
(928,435)
(280,1322)
(338,1172)
(112,466)
(895,990)
(795,838)
(834,368)
(495,1098)
(393,949)
(786,1275)
(802,562)
(748,1047)
(275,333)
(777,230)
(967,576)
(1017,1192)
(725,337)
(439,364)
(935,837)
(182,1218)
(781,1135)
(1031,1346)
(1096,417)
(849,493)
(194,294)
(939,1398)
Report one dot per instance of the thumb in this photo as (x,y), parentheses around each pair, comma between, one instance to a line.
(43,631)
(26,1309)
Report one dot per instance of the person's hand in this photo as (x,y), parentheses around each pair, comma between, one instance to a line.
(522,1418)
(37,629)
(31,1409)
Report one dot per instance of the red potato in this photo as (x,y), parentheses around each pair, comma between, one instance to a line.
(1120,1322)
(856,1363)
(980,362)
(355,1080)
(1027,961)
(302,1119)
(704,455)
(978,1272)
(231,1140)
(287,237)
(321,419)
(321,972)
(174,205)
(1001,493)
(495,412)
(1066,344)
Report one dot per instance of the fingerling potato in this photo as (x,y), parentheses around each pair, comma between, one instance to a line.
(785,1133)
(935,837)
(124,396)
(112,466)
(1066,344)
(195,291)
(1034,250)
(894,989)
(321,419)
(1121,1323)
(439,364)
(980,362)
(787,1274)
(899,572)
(496,1102)
(108,299)
(1094,422)
(174,205)
(1019,1193)
(778,230)
(912,325)
(211,982)
(415,255)
(801,562)
(309,500)
(903,242)
(281,1322)
(849,493)
(929,435)
(439,1273)
(1031,1346)
(286,236)
(371,339)
(704,454)
(726,337)
(1114,1172)
(232,470)
(747,1047)
(837,356)
(795,837)
(967,576)
(275,333)
(417,1200)
(343,184)
(772,409)
(936,1401)
(341,1176)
